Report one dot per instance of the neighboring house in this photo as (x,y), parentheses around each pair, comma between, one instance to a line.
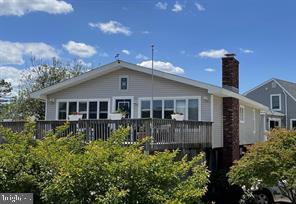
(280,97)
(237,120)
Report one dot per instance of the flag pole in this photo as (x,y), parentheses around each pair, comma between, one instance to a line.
(152,91)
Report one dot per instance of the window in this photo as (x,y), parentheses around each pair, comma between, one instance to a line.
(193,109)
(82,109)
(72,108)
(93,108)
(103,110)
(181,107)
(157,109)
(293,124)
(274,123)
(275,101)
(123,83)
(145,109)
(168,108)
(62,115)
(242,114)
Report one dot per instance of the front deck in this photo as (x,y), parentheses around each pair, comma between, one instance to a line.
(165,134)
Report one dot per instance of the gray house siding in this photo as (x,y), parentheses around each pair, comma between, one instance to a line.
(139,86)
(262,95)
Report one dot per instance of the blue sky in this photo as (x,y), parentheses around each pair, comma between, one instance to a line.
(189,36)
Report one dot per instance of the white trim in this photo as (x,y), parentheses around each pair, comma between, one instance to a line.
(244,114)
(127,82)
(280,102)
(254,121)
(174,98)
(212,108)
(45,116)
(274,119)
(291,120)
(285,90)
(114,98)
(218,91)
(98,100)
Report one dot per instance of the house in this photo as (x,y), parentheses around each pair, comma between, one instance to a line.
(235,119)
(280,97)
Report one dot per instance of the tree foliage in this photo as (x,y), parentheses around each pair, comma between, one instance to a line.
(40,75)
(5,88)
(68,170)
(269,164)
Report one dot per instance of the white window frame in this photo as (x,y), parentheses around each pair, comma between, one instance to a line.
(291,122)
(244,113)
(174,98)
(127,81)
(114,98)
(280,102)
(274,119)
(98,100)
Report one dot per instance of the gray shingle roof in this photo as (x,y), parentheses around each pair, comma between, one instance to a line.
(289,86)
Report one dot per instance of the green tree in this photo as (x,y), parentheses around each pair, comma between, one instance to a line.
(68,170)
(268,164)
(40,75)
(5,88)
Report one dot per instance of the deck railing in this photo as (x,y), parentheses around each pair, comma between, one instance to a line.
(167,134)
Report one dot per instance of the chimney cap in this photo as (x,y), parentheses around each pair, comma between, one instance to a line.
(229,55)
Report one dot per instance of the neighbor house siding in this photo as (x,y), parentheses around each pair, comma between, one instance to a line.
(262,95)
(107,86)
(250,131)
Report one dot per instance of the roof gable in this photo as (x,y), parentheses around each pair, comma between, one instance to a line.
(122,64)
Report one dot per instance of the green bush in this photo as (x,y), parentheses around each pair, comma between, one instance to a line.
(68,170)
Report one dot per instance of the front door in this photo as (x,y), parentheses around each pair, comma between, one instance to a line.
(125,105)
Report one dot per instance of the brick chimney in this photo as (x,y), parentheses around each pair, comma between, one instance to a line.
(230,81)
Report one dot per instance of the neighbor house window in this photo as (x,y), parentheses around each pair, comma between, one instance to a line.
(103,110)
(93,110)
(168,108)
(275,101)
(157,109)
(62,111)
(193,109)
(274,123)
(242,114)
(82,109)
(123,83)
(72,108)
(293,124)
(145,109)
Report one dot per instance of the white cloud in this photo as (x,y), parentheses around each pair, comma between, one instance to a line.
(21,7)
(199,6)
(213,53)
(163,66)
(146,32)
(126,52)
(111,27)
(79,49)
(103,54)
(12,75)
(161,5)
(141,56)
(13,52)
(247,51)
(177,7)
(210,70)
